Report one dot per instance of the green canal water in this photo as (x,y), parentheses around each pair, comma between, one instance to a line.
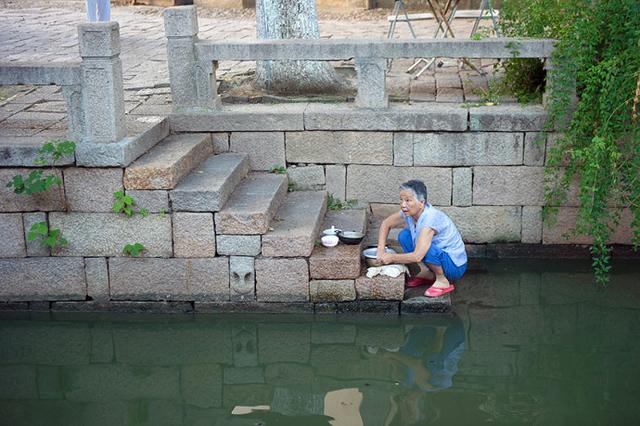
(527,344)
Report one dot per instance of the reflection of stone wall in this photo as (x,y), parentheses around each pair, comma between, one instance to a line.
(524,344)
(154,372)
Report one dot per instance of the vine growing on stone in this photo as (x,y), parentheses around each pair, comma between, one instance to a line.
(48,237)
(594,101)
(35,182)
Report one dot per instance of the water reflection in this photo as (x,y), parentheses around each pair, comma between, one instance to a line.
(425,361)
(70,369)
(537,345)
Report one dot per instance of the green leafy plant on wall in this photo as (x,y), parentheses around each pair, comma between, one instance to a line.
(336,204)
(133,249)
(280,170)
(51,238)
(33,183)
(36,181)
(53,151)
(594,101)
(123,203)
(127,205)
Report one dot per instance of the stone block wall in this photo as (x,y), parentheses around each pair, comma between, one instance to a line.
(487,174)
(187,263)
(483,167)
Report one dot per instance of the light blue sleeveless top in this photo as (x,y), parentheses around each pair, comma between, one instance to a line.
(447,237)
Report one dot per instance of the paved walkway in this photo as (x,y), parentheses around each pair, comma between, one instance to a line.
(46,32)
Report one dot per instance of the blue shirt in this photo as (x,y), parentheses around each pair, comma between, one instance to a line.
(446,237)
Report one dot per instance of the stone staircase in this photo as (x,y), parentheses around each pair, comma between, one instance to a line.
(270,235)
(168,162)
(252,205)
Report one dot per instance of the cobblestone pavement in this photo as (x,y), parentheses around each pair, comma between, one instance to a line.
(46,31)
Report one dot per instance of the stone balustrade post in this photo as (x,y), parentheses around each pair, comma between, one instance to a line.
(102,118)
(73,97)
(371,83)
(192,81)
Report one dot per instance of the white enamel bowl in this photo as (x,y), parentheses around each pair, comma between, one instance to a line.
(369,255)
(329,240)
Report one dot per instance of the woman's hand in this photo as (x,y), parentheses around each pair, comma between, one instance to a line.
(384,258)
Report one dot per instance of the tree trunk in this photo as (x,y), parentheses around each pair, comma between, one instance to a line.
(292,19)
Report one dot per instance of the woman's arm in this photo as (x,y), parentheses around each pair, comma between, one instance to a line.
(423,243)
(393,221)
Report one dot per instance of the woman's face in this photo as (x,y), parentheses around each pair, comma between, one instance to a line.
(410,205)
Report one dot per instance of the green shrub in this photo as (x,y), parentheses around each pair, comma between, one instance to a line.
(597,58)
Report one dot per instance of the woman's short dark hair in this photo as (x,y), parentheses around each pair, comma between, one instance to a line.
(417,187)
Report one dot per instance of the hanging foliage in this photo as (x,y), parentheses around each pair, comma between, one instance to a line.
(596,62)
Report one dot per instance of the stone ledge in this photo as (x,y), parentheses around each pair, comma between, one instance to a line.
(65,73)
(507,118)
(22,151)
(332,49)
(123,152)
(335,263)
(360,307)
(124,307)
(255,307)
(423,305)
(423,117)
(14,306)
(241,118)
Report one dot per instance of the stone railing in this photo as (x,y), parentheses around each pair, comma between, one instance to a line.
(192,62)
(94,93)
(92,87)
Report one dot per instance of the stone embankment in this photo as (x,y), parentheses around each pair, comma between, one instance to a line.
(221,233)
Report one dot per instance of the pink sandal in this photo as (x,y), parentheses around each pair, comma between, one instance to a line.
(437,291)
(417,282)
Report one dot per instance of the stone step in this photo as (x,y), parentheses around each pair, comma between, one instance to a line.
(210,185)
(343,261)
(168,162)
(422,304)
(380,287)
(252,205)
(296,225)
